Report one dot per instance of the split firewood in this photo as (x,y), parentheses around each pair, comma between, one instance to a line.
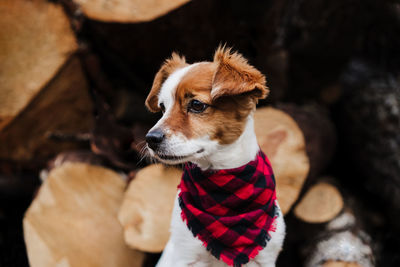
(73,220)
(369,124)
(299,140)
(36,40)
(341,243)
(72,156)
(321,203)
(330,232)
(63,105)
(127,11)
(42,86)
(281,139)
(146,210)
(319,133)
(340,264)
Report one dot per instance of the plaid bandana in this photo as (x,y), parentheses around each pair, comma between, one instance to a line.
(232,211)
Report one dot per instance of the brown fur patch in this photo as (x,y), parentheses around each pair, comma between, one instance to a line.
(225,118)
(231,88)
(234,75)
(168,67)
(196,84)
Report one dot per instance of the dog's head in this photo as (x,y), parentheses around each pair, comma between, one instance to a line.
(205,105)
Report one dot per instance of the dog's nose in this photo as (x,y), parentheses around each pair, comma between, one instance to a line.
(154,138)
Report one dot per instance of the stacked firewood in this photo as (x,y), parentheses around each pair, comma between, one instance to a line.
(73,78)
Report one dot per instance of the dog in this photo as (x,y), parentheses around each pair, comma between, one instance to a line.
(207,123)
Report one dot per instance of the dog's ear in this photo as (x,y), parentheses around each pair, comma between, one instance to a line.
(169,66)
(235,76)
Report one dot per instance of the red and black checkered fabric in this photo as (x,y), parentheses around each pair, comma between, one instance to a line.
(232,211)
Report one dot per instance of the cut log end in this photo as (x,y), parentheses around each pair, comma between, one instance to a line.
(147,207)
(42,85)
(73,220)
(63,105)
(320,204)
(38,42)
(127,11)
(340,264)
(283,142)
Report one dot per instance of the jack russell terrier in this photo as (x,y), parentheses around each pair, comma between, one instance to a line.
(226,212)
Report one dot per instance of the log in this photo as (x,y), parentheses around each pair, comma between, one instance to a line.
(319,133)
(127,11)
(320,204)
(340,264)
(281,139)
(146,210)
(73,220)
(63,105)
(36,41)
(42,86)
(341,243)
(72,156)
(331,233)
(369,127)
(306,139)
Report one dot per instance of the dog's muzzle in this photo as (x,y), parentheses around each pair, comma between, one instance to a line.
(154,138)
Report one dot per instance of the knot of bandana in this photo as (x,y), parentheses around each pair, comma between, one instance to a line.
(231,211)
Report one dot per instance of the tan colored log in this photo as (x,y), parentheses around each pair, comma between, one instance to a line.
(127,10)
(340,264)
(146,210)
(42,86)
(35,42)
(283,142)
(63,105)
(73,220)
(320,204)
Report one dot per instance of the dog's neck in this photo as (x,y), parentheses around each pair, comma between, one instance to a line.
(234,155)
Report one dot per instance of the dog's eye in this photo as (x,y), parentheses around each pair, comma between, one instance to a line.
(162,107)
(196,106)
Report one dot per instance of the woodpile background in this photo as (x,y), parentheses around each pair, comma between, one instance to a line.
(74,189)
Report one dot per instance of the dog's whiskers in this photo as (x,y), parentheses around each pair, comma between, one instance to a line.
(144,152)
